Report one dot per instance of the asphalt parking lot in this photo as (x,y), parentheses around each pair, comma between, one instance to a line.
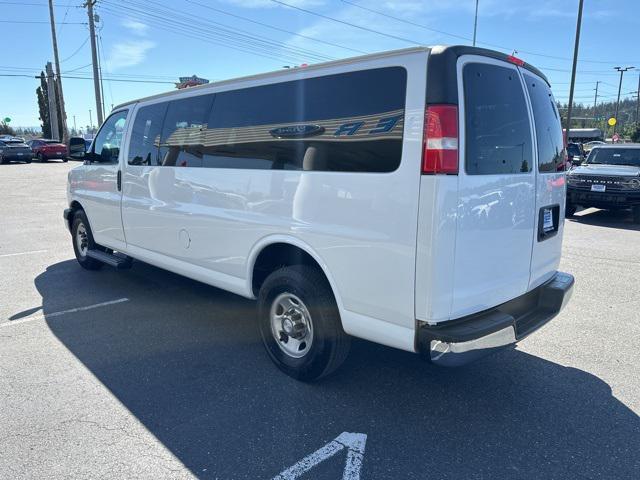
(144,374)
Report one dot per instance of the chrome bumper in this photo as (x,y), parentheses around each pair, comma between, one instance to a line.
(461,341)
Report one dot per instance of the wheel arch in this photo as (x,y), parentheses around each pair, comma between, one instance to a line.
(74,207)
(288,248)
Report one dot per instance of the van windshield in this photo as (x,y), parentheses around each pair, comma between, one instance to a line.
(615,156)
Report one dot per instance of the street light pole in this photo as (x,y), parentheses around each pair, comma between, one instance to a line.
(573,70)
(638,102)
(621,70)
(595,104)
(475,24)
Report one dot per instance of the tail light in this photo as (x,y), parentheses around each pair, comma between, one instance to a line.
(440,153)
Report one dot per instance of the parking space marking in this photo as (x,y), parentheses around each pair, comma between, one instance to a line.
(353,442)
(22,253)
(63,312)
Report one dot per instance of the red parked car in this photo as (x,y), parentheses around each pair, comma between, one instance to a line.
(44,149)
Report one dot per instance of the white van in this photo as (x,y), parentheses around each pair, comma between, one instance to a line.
(413,198)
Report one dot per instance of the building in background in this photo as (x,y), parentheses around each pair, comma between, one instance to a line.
(191,81)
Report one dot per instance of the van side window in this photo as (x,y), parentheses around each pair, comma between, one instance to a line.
(350,122)
(109,139)
(497,127)
(548,128)
(183,132)
(145,135)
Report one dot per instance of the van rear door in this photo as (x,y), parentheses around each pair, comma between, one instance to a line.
(497,206)
(550,189)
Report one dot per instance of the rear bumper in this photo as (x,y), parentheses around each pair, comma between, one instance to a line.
(461,341)
(620,199)
(18,157)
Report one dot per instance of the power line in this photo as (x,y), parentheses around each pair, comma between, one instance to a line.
(87,78)
(360,27)
(37,4)
(277,28)
(76,50)
(226,32)
(462,37)
(38,21)
(189,28)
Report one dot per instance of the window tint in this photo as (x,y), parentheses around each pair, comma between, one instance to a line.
(498,135)
(548,128)
(145,135)
(109,138)
(346,122)
(183,132)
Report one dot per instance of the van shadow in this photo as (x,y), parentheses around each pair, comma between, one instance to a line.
(606,218)
(187,361)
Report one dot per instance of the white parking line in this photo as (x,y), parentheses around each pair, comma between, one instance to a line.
(22,253)
(63,312)
(353,442)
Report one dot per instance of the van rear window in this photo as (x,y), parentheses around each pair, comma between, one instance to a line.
(548,128)
(497,129)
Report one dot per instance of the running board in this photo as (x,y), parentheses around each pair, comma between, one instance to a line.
(117,260)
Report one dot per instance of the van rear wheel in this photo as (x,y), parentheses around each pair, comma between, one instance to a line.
(300,323)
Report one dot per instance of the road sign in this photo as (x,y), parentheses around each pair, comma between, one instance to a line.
(615,137)
(612,121)
(7,119)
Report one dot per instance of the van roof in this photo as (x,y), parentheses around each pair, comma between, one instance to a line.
(444,54)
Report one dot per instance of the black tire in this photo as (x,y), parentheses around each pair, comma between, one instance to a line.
(80,221)
(570,210)
(329,345)
(41,158)
(636,214)
(65,160)
(3,160)
(28,160)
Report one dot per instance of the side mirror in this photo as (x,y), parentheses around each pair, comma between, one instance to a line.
(77,148)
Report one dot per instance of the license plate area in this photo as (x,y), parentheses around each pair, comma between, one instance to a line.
(548,222)
(598,188)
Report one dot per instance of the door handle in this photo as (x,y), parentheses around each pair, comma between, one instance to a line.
(119,180)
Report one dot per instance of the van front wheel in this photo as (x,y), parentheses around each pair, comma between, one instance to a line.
(83,241)
(300,323)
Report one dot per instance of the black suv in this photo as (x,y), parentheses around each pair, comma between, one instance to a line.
(609,179)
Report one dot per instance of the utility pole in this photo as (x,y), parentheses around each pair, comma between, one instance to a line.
(573,69)
(595,105)
(638,102)
(621,70)
(53,104)
(475,24)
(74,125)
(64,134)
(90,119)
(94,58)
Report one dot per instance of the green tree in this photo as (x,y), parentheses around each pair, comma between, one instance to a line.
(43,106)
(635,135)
(5,129)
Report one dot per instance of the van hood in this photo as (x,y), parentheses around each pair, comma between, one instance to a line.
(606,170)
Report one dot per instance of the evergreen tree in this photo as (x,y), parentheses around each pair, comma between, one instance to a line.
(43,106)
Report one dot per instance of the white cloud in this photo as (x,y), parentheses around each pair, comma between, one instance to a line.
(128,54)
(136,27)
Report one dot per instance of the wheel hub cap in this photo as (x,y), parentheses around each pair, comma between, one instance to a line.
(291,325)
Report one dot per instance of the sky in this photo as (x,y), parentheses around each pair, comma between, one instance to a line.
(145,45)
